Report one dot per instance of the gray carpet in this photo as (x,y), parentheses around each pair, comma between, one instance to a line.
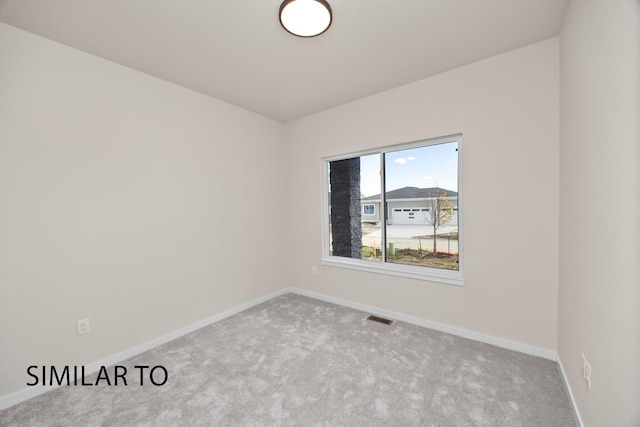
(297,361)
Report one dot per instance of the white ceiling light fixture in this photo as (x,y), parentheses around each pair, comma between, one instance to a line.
(305,18)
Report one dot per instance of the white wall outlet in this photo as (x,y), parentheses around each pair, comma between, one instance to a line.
(83,326)
(586,371)
(314,269)
(587,374)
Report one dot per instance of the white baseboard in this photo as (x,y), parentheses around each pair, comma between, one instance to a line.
(465,333)
(569,392)
(28,393)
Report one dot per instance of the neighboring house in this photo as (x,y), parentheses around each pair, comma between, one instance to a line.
(407,205)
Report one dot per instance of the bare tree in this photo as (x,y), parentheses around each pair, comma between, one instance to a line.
(439,212)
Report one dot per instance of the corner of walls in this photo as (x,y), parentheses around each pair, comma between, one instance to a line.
(598,294)
(127,200)
(506,107)
(569,390)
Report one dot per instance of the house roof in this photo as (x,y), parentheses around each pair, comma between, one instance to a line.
(413,193)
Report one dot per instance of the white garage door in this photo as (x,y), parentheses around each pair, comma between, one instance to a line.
(415,215)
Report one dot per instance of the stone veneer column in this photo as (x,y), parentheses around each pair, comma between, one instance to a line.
(346,225)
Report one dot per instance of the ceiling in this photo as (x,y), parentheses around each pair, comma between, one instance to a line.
(236,51)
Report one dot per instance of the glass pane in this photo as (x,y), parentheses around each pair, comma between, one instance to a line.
(354,208)
(422,201)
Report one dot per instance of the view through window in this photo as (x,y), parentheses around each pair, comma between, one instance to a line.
(397,206)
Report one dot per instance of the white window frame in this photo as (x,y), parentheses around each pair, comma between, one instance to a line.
(451,277)
(373,205)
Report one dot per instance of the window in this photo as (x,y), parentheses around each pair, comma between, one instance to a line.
(396,210)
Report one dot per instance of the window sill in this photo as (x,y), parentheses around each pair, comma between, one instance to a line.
(410,271)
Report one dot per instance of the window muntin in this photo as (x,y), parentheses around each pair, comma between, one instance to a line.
(421,187)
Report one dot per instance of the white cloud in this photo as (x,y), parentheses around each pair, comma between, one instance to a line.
(403,160)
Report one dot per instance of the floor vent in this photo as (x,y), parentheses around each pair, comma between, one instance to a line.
(380,320)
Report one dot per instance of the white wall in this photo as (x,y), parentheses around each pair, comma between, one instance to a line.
(599,286)
(126,199)
(507,109)
(123,198)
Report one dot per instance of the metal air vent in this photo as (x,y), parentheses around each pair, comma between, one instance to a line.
(380,320)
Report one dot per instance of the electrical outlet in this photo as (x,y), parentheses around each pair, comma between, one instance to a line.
(83,326)
(586,371)
(314,269)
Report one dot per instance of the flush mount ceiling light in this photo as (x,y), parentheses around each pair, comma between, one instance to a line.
(305,18)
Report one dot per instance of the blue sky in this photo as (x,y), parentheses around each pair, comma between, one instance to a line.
(423,167)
